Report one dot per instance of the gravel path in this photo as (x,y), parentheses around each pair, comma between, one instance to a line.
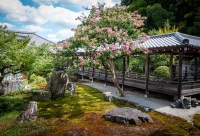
(162,106)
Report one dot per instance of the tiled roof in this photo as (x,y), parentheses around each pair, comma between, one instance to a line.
(33,37)
(172,39)
(166,41)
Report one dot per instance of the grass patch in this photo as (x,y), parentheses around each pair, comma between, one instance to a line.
(86,100)
(12,105)
(25,129)
(196,120)
(80,114)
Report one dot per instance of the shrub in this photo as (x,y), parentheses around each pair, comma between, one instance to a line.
(161,72)
(25,81)
(34,79)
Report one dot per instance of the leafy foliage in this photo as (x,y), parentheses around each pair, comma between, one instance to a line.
(11,52)
(157,16)
(42,64)
(183,13)
(17,56)
(126,2)
(166,29)
(137,63)
(34,79)
(162,72)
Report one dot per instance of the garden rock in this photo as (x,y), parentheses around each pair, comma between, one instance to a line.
(108,96)
(177,104)
(57,84)
(71,88)
(41,95)
(11,86)
(194,102)
(127,115)
(185,102)
(30,113)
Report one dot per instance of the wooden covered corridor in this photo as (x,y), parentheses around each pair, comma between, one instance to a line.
(176,44)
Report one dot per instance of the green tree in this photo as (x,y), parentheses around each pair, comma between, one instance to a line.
(140,6)
(17,56)
(42,63)
(11,52)
(166,29)
(64,55)
(183,13)
(157,16)
(126,2)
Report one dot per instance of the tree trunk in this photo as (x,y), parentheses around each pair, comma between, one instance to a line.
(1,76)
(1,79)
(114,76)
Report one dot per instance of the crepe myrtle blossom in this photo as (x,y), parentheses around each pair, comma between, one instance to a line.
(66,44)
(108,33)
(82,61)
(94,61)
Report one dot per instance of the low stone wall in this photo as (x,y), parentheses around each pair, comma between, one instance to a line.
(11,86)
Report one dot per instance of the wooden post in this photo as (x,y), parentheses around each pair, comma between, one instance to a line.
(106,73)
(147,75)
(195,68)
(92,73)
(82,72)
(170,66)
(127,64)
(123,71)
(180,73)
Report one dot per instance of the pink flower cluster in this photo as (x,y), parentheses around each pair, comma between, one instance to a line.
(94,20)
(66,44)
(110,31)
(114,47)
(94,61)
(85,38)
(82,61)
(105,35)
(145,50)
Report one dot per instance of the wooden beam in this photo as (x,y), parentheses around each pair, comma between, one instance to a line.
(195,69)
(147,75)
(170,66)
(180,74)
(123,71)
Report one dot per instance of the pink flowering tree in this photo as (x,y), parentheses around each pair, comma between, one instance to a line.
(109,33)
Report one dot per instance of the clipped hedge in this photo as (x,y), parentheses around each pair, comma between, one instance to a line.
(162,72)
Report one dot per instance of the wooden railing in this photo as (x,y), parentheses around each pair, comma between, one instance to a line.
(138,80)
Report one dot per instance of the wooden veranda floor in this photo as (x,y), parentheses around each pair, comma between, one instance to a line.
(138,81)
